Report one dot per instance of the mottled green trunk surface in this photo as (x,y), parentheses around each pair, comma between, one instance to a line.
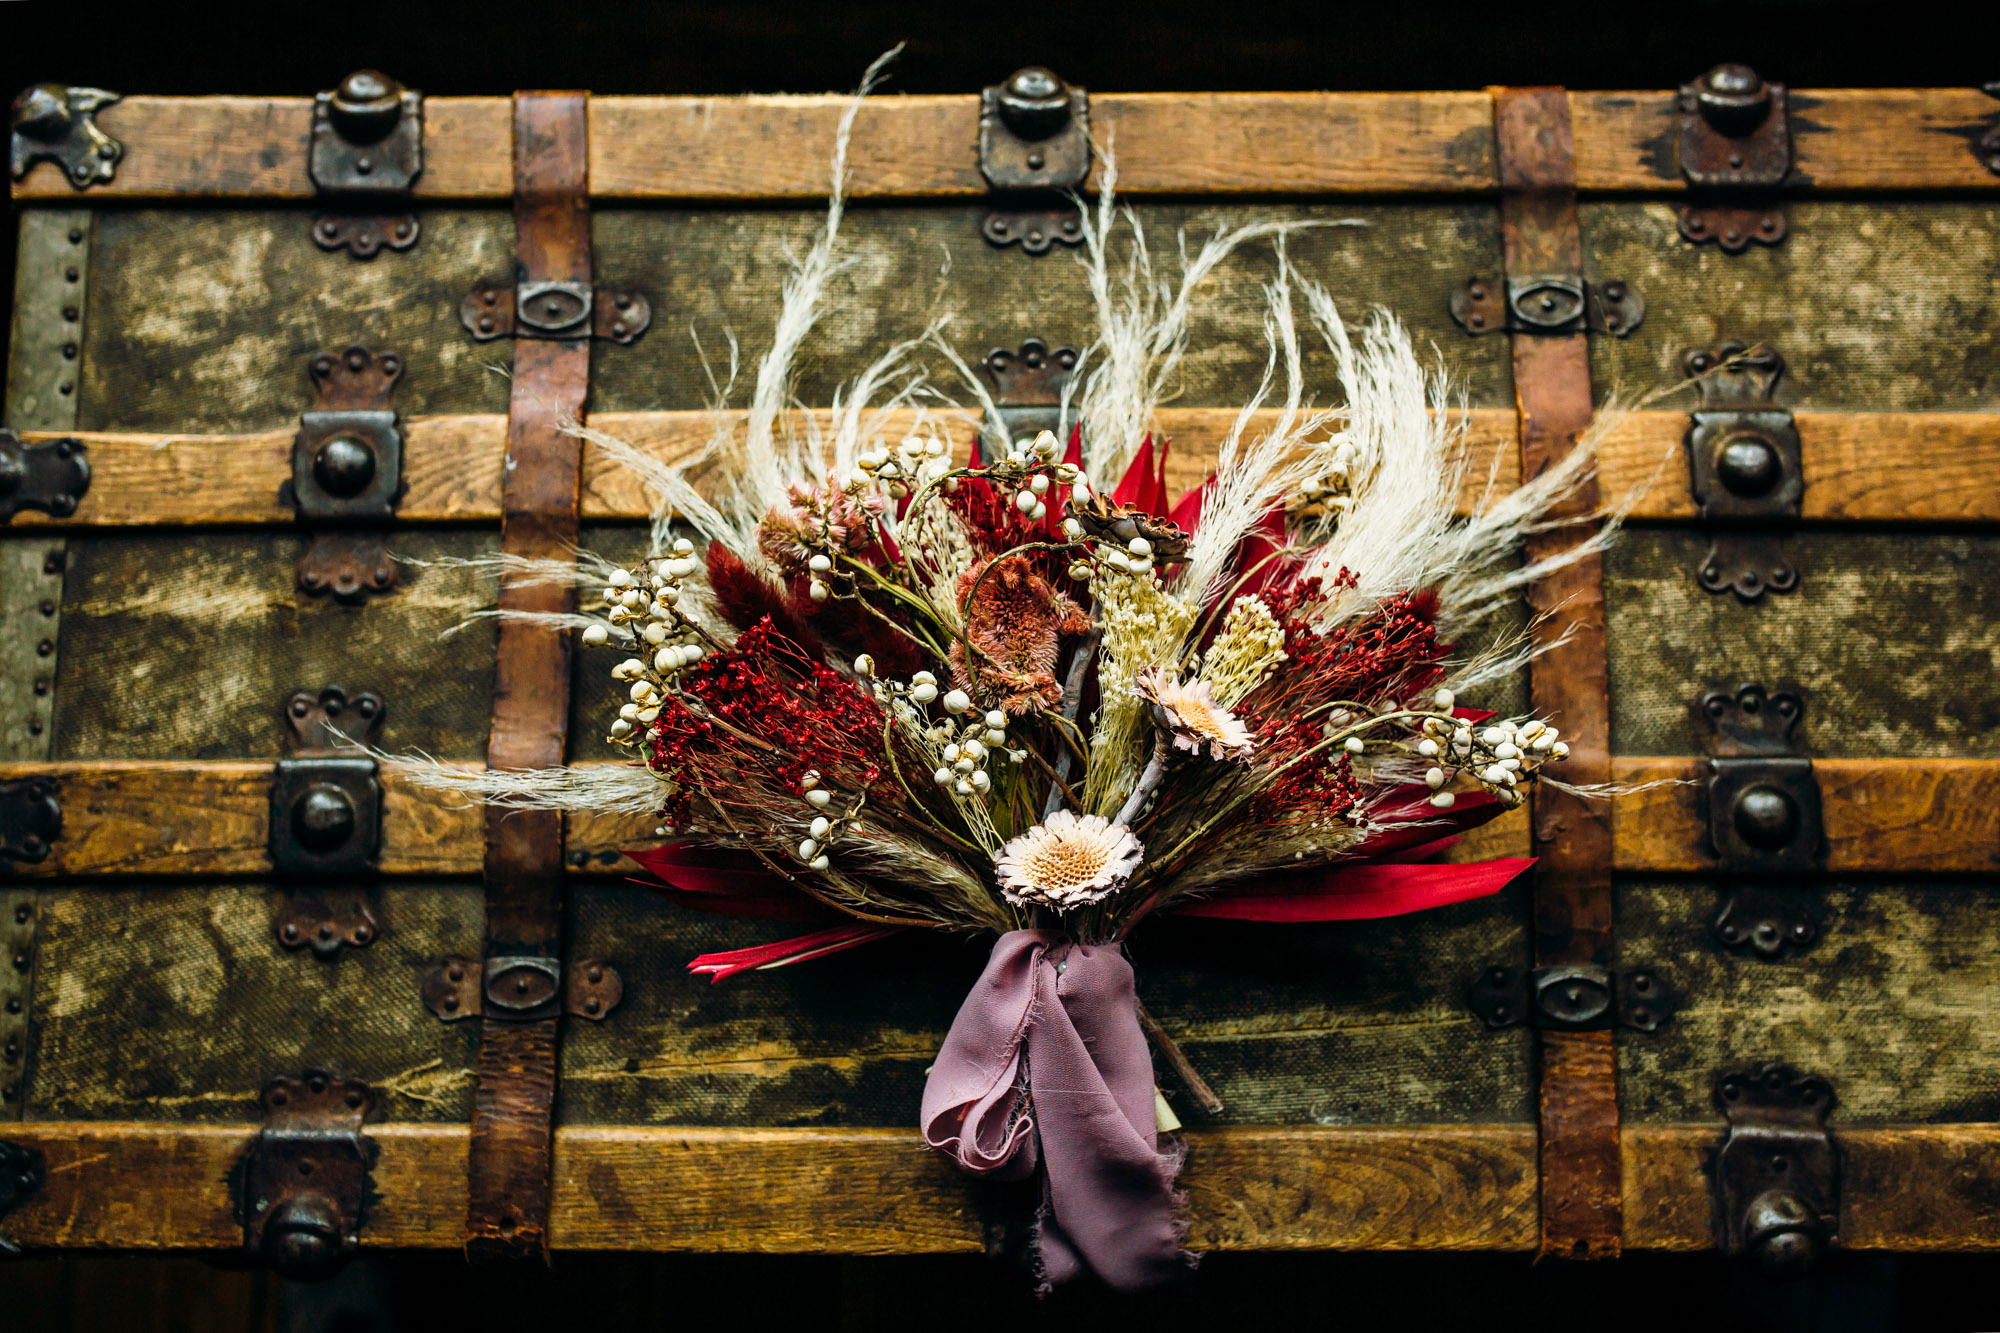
(1358,1023)
(1894,639)
(176,1003)
(186,646)
(1894,1003)
(722,272)
(1876,307)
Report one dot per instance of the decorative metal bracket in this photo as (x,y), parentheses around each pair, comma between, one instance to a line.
(561,311)
(60,125)
(1028,386)
(1582,998)
(305,1179)
(522,988)
(347,469)
(1744,466)
(1777,1171)
(1736,148)
(1763,813)
(1987,146)
(21,1177)
(367,152)
(30,821)
(1550,303)
(326,820)
(1034,146)
(52,476)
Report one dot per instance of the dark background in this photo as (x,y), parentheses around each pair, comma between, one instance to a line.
(1167,45)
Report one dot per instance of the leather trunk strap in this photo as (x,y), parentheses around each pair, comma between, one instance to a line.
(1582,1203)
(512,1129)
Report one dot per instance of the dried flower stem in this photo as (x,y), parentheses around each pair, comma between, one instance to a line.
(1167,1046)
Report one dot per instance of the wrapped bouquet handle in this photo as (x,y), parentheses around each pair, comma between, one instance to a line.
(1046,1070)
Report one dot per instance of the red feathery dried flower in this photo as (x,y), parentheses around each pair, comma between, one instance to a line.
(1015,621)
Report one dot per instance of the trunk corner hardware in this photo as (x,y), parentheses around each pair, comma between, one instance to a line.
(522,988)
(1034,148)
(57,124)
(1744,467)
(52,476)
(347,470)
(30,821)
(1987,146)
(1578,998)
(556,311)
(367,151)
(21,1177)
(1028,387)
(1762,808)
(1735,152)
(1777,1170)
(1555,303)
(326,821)
(305,1178)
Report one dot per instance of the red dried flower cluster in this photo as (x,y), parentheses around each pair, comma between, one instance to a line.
(763,714)
(1390,655)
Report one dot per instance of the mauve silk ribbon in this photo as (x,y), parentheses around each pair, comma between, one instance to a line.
(1067,1012)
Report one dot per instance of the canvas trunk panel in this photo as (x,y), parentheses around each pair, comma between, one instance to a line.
(314,474)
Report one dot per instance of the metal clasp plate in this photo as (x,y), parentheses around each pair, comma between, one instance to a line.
(1034,146)
(367,148)
(1764,819)
(1777,1171)
(305,1179)
(1576,998)
(52,476)
(1549,303)
(1736,146)
(1745,464)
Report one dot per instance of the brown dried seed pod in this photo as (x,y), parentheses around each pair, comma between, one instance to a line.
(1107,521)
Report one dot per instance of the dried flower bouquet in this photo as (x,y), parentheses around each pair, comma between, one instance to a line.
(883,685)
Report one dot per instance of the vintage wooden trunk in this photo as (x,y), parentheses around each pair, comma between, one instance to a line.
(259,344)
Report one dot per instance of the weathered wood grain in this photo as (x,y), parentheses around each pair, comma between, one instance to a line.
(776,148)
(1883,816)
(147,817)
(152,1187)
(864,1191)
(1907,467)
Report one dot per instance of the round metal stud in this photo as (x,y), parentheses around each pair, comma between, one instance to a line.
(344,466)
(1766,817)
(1782,1234)
(1748,465)
(322,817)
(1035,103)
(303,1238)
(367,106)
(1733,99)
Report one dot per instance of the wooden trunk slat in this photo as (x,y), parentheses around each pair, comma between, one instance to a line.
(1842,138)
(1933,1188)
(143,1186)
(146,817)
(726,149)
(1883,816)
(864,1191)
(1908,467)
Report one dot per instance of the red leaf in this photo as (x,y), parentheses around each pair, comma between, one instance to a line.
(804,948)
(1360,893)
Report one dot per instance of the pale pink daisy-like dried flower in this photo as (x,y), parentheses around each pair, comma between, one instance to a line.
(1189,713)
(1067,861)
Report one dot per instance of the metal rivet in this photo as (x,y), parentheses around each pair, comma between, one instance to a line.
(71,314)
(44,648)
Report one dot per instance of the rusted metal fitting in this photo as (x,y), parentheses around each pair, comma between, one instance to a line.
(59,124)
(1034,147)
(1736,150)
(367,152)
(304,1182)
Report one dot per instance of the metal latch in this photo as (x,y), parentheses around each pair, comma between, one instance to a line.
(326,821)
(51,477)
(305,1179)
(367,152)
(59,124)
(1777,1172)
(559,311)
(30,821)
(1028,389)
(524,988)
(1763,812)
(21,1177)
(1736,149)
(1549,303)
(1581,998)
(347,470)
(1744,466)
(1034,147)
